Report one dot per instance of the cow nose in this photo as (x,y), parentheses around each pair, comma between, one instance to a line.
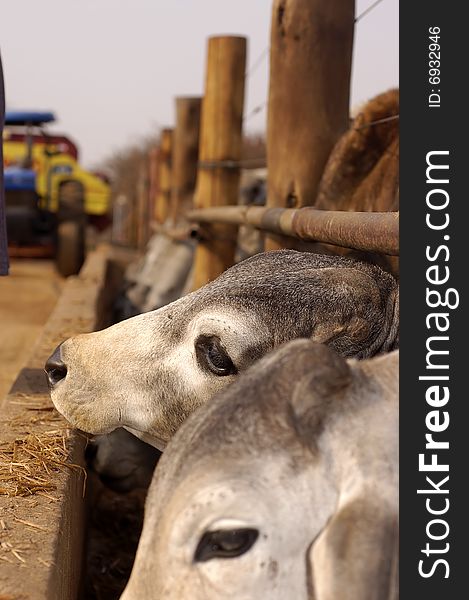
(55,368)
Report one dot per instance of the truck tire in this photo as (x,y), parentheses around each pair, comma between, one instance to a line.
(70,253)
(71,200)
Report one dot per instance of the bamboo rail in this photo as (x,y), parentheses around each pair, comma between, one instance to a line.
(185,155)
(366,231)
(220,140)
(308,106)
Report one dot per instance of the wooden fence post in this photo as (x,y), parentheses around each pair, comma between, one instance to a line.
(142,207)
(220,140)
(163,195)
(153,181)
(185,155)
(310,66)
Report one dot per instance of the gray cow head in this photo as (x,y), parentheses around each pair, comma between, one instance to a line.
(283,487)
(149,373)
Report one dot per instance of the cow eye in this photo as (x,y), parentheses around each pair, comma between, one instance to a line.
(225,543)
(213,356)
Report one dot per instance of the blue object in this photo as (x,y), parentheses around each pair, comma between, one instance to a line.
(16,178)
(28,117)
(3,230)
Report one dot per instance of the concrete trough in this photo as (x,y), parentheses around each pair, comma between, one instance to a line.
(42,476)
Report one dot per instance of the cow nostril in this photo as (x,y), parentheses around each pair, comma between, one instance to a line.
(56,374)
(55,368)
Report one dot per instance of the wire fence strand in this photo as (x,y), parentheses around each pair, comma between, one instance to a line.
(367,10)
(256,110)
(377,122)
(257,63)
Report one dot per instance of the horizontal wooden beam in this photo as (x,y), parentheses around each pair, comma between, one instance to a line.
(246,163)
(367,231)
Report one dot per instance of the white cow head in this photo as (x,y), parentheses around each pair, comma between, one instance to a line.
(284,487)
(149,373)
(122,461)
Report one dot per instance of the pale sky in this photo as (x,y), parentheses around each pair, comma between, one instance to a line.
(110,69)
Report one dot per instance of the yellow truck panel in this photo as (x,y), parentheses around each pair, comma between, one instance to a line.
(54,168)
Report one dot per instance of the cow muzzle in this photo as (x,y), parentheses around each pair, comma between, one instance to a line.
(55,368)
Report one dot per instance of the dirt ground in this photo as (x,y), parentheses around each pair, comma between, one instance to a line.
(27,297)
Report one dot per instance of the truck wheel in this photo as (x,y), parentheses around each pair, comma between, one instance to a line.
(70,247)
(71,200)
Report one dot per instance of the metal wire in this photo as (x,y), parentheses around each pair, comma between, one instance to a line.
(367,10)
(254,111)
(252,69)
(377,122)
(260,59)
(246,163)
(257,63)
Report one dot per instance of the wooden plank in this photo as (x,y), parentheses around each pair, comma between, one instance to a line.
(165,155)
(185,155)
(220,139)
(310,66)
(367,231)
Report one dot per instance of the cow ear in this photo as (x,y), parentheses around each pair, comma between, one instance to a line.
(325,383)
(331,331)
(355,303)
(356,555)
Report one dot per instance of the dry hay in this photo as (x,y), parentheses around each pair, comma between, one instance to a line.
(28,462)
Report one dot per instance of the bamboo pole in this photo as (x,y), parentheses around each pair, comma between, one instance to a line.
(185,155)
(153,180)
(220,140)
(310,65)
(142,208)
(163,195)
(367,231)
